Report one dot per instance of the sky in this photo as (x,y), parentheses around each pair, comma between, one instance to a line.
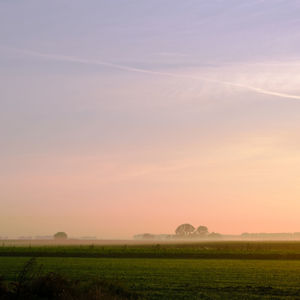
(129,116)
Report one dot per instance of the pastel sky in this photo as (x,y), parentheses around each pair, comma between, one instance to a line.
(131,116)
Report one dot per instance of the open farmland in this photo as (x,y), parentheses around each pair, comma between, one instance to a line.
(129,249)
(174,271)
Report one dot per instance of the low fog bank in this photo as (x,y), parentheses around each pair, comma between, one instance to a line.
(184,233)
(187,232)
(222,237)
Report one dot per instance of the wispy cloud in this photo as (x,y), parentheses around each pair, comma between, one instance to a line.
(151,72)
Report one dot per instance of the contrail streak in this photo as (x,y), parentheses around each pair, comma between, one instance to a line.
(145,71)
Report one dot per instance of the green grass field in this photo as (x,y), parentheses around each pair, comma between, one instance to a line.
(219,250)
(175,271)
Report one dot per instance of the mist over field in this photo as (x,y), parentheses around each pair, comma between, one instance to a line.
(128,117)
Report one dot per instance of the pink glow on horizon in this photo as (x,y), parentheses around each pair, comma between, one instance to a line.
(118,119)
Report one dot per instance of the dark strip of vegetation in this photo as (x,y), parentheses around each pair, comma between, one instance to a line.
(157,255)
(217,250)
(33,284)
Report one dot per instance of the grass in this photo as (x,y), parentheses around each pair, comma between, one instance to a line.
(174,277)
(214,250)
(33,283)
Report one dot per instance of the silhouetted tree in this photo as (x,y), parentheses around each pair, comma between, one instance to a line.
(184,229)
(60,236)
(215,235)
(201,231)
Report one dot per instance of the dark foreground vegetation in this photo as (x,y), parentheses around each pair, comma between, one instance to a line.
(32,283)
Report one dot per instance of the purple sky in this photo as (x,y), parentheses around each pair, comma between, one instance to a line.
(121,117)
